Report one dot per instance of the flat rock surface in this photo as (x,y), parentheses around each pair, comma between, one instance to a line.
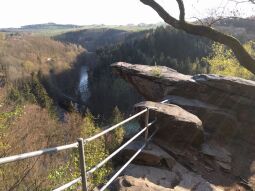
(157,176)
(152,155)
(130,183)
(219,153)
(138,177)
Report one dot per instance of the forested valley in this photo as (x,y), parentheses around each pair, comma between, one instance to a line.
(41,104)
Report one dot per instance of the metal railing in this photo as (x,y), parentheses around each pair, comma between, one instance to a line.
(81,143)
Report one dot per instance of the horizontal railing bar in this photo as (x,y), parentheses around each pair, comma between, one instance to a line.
(36,153)
(68,185)
(115,126)
(128,162)
(119,149)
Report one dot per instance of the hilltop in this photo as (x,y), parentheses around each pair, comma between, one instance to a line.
(52,29)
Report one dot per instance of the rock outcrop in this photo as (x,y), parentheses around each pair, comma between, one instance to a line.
(225,100)
(230,92)
(213,112)
(177,126)
(171,176)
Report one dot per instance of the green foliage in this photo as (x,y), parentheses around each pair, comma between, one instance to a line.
(39,92)
(117,136)
(164,46)
(31,91)
(156,71)
(65,173)
(14,94)
(6,119)
(95,151)
(223,62)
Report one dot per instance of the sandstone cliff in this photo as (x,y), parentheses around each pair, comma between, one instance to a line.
(206,124)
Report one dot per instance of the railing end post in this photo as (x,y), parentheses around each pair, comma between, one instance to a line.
(146,122)
(82,163)
(80,140)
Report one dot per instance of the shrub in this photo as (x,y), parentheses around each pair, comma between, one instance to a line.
(156,71)
(95,151)
(13,94)
(117,136)
(31,91)
(65,173)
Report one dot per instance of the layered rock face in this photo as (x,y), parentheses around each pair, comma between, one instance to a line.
(220,102)
(213,113)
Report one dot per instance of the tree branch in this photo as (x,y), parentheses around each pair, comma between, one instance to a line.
(244,58)
(182,10)
(244,1)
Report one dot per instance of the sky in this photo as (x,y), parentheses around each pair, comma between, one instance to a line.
(16,13)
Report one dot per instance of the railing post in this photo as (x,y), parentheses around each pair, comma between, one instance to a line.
(82,164)
(146,122)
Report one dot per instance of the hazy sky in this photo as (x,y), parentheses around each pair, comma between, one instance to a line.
(15,13)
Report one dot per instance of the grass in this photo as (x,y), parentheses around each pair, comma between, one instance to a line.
(156,71)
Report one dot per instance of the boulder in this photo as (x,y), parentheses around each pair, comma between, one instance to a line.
(176,125)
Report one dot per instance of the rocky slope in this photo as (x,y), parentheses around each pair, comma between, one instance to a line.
(215,112)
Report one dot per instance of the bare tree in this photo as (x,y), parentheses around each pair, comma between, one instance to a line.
(244,58)
(243,1)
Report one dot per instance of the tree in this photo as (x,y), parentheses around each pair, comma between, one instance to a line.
(117,135)
(244,1)
(244,58)
(223,62)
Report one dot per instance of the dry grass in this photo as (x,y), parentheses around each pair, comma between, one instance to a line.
(22,55)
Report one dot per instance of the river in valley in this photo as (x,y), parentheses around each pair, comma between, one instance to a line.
(83,84)
(130,128)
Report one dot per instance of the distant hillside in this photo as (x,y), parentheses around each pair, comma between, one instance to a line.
(92,39)
(241,28)
(49,26)
(22,55)
(246,23)
(47,29)
(53,29)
